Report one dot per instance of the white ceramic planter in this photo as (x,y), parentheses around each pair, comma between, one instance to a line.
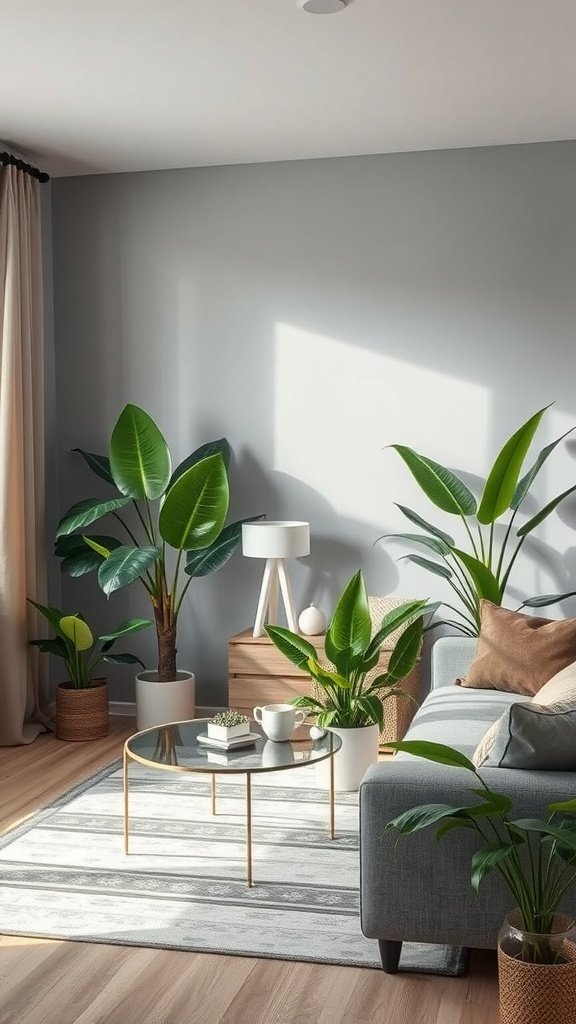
(161,703)
(228,732)
(358,751)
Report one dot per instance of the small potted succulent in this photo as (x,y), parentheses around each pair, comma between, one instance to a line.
(228,725)
(82,700)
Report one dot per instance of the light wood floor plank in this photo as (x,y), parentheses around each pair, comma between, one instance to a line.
(46,982)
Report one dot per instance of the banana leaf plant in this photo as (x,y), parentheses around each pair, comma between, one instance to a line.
(76,645)
(481,566)
(183,511)
(535,857)
(350,702)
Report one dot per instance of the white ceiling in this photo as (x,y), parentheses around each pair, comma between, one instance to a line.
(123,85)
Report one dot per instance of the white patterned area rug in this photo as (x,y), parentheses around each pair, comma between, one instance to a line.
(64,875)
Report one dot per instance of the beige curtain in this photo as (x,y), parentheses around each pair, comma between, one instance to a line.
(22,557)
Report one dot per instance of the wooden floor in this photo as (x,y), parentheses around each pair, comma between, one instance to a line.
(45,982)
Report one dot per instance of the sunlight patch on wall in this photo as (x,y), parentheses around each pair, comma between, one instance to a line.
(338,404)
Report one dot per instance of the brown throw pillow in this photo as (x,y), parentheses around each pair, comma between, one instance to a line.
(519,653)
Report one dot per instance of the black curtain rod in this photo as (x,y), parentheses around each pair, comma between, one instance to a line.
(8,159)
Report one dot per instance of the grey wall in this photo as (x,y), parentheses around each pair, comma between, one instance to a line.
(314,312)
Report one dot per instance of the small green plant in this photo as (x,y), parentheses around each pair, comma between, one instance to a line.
(536,858)
(350,701)
(482,571)
(80,651)
(227,719)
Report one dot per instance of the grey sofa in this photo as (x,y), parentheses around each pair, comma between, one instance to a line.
(414,888)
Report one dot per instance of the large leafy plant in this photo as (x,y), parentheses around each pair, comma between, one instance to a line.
(535,857)
(350,701)
(80,651)
(481,566)
(182,510)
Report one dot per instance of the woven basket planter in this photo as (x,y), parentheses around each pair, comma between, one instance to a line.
(537,993)
(82,714)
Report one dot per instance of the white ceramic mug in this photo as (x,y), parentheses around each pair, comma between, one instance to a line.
(278,720)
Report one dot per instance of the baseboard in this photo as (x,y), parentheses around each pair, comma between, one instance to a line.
(127,709)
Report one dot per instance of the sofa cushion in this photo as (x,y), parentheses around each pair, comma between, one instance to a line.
(530,736)
(457,717)
(519,653)
(560,691)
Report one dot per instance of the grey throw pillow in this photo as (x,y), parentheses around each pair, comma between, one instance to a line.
(530,736)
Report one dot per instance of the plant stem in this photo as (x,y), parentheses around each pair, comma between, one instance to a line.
(504,545)
(504,583)
(143,521)
(469,532)
(127,528)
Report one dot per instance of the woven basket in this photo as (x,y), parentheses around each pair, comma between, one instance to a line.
(82,714)
(537,993)
(398,711)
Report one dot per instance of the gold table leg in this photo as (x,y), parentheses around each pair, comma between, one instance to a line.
(331,797)
(249,880)
(213,793)
(126,824)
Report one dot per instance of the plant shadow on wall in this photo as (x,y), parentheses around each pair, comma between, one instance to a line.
(189,521)
(480,567)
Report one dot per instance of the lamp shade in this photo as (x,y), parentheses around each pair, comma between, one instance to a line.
(269,539)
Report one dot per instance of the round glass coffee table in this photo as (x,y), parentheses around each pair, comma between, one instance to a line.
(175,748)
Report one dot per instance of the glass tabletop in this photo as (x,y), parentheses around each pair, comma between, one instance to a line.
(176,747)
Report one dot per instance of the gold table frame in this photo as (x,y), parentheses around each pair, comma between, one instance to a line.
(129,755)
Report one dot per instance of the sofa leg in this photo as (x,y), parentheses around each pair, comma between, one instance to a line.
(390,955)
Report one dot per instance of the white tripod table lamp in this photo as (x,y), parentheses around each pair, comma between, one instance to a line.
(275,541)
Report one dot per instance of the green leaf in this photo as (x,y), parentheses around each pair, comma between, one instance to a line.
(433,543)
(450,824)
(55,645)
(437,752)
(406,652)
(484,580)
(417,520)
(77,631)
(418,818)
(439,484)
(83,513)
(195,508)
(122,659)
(392,621)
(77,558)
(501,484)
(372,707)
(566,837)
(425,563)
(544,600)
(51,614)
(211,448)
(214,557)
(484,861)
(124,566)
(544,512)
(564,806)
(130,626)
(325,677)
(99,549)
(99,464)
(351,625)
(292,646)
(306,702)
(527,480)
(139,456)
(498,801)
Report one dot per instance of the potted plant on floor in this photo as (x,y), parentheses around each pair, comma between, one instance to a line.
(82,700)
(537,861)
(481,564)
(352,707)
(182,512)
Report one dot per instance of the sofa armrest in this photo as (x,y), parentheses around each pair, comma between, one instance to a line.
(416,889)
(451,658)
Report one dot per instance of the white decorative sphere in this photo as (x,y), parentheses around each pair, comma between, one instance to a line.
(316,733)
(312,621)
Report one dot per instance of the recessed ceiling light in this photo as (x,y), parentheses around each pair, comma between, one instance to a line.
(322,6)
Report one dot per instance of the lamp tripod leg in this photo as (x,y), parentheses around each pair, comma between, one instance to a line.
(287,596)
(264,598)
